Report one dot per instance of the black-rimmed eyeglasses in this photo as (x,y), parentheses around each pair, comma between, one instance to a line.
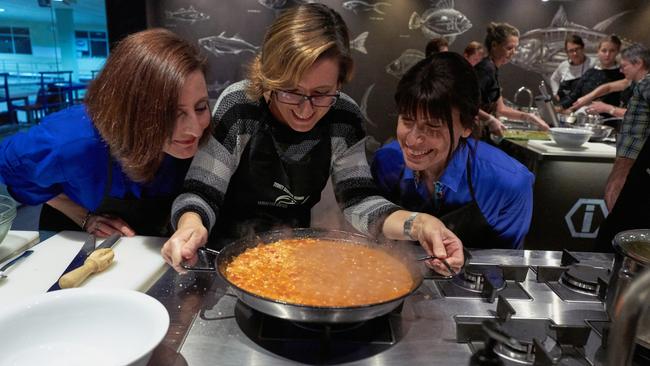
(319,100)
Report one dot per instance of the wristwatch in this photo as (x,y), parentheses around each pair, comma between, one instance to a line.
(408,226)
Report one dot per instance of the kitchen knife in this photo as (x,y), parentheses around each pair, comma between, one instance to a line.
(100,259)
(78,260)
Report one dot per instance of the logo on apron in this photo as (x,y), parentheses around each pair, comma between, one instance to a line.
(285,200)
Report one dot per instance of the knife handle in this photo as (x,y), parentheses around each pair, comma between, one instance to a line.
(97,261)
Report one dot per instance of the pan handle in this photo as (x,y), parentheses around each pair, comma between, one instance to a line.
(206,255)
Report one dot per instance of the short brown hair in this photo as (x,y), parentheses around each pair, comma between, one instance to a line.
(134,100)
(472,48)
(296,39)
(498,33)
(435,45)
(575,39)
(613,39)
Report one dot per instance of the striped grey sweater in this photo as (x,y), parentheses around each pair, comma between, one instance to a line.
(237,119)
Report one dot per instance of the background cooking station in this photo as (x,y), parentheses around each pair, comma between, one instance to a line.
(552,296)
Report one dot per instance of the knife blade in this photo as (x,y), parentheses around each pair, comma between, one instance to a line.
(78,260)
(100,259)
(110,241)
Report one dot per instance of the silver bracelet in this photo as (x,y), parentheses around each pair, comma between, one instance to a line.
(85,220)
(408,226)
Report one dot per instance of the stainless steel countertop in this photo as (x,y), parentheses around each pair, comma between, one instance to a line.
(204,330)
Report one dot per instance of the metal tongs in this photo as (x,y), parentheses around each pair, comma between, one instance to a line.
(466,254)
(444,261)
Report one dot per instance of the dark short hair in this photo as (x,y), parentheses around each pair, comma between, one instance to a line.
(575,39)
(436,85)
(435,45)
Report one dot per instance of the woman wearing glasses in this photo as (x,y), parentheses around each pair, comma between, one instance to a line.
(568,72)
(279,136)
(606,70)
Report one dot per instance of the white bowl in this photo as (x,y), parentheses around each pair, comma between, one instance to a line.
(570,137)
(82,327)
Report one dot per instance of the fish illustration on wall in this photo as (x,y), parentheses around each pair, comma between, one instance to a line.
(408,58)
(359,43)
(221,45)
(442,20)
(283,4)
(541,50)
(357,6)
(190,15)
(364,105)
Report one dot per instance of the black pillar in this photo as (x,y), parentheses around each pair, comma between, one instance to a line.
(124,17)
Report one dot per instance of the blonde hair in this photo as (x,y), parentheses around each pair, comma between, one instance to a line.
(297,38)
(498,33)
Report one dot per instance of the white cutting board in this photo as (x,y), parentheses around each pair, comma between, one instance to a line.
(594,149)
(15,242)
(137,265)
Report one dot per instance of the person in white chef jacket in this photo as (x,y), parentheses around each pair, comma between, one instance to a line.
(569,71)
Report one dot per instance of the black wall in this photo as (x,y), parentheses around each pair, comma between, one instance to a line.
(388,35)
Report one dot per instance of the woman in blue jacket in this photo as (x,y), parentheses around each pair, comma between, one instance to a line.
(435,165)
(116,162)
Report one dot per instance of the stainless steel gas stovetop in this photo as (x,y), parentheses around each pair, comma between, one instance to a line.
(538,308)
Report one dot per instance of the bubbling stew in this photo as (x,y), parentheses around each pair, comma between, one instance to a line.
(320,272)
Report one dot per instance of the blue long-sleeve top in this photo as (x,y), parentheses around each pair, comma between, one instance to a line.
(503,187)
(66,154)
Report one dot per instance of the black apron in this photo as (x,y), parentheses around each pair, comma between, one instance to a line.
(566,87)
(268,192)
(468,222)
(146,216)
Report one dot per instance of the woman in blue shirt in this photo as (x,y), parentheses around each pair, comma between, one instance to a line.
(116,162)
(435,165)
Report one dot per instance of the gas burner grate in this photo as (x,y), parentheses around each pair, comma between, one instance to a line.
(486,282)
(584,279)
(575,282)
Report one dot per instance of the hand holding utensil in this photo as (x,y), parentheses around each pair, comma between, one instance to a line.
(444,261)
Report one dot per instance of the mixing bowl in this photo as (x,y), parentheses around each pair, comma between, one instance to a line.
(601,132)
(7,215)
(82,326)
(570,137)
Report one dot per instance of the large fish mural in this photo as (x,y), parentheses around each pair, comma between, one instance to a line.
(442,20)
(541,50)
(400,65)
(190,15)
(221,45)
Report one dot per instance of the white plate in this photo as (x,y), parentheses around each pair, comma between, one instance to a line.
(82,327)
